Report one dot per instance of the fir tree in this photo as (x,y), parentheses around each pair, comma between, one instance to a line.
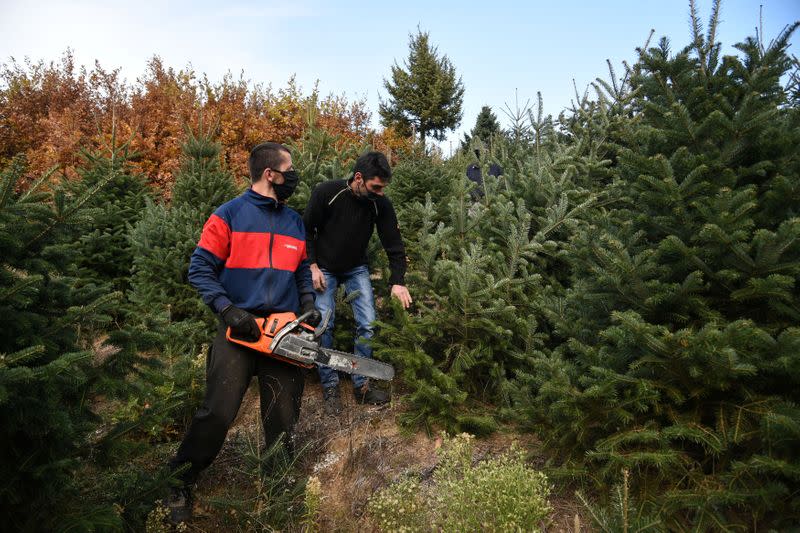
(682,359)
(104,252)
(424,95)
(163,240)
(320,156)
(414,177)
(486,128)
(45,370)
(478,273)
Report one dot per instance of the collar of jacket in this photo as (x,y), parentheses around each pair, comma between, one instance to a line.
(264,202)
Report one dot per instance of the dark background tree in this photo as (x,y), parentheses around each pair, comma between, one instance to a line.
(486,127)
(425,96)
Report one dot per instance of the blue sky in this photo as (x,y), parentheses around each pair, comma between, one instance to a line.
(498,47)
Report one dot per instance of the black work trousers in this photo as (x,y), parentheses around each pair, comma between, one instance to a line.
(229,369)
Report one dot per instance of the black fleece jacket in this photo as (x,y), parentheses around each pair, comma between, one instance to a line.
(339,225)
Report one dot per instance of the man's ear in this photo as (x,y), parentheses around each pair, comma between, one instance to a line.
(264,175)
(357,175)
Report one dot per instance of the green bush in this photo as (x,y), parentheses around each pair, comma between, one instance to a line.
(499,494)
(400,508)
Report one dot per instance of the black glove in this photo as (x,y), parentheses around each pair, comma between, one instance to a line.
(315,317)
(243,324)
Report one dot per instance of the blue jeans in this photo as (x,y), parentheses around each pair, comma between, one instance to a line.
(363,311)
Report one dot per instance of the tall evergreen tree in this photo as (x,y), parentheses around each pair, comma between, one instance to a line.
(425,95)
(682,361)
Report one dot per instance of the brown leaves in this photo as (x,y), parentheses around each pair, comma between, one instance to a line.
(50,111)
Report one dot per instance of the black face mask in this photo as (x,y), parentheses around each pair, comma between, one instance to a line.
(284,190)
(368,194)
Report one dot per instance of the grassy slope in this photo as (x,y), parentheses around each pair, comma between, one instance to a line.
(353,456)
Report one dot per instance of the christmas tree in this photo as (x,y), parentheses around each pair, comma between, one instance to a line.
(103,251)
(319,156)
(46,366)
(486,129)
(163,240)
(680,361)
(479,271)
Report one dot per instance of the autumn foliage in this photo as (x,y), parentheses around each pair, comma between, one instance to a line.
(50,111)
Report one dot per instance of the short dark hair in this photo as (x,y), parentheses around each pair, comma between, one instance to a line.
(264,156)
(373,164)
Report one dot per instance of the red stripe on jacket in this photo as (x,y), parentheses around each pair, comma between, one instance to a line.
(241,249)
(287,252)
(216,237)
(249,250)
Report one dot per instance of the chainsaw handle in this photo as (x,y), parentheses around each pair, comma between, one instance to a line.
(322,326)
(302,317)
(288,328)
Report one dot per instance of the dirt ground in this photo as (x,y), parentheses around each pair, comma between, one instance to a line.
(353,455)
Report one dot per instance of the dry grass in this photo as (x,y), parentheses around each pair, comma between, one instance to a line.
(353,455)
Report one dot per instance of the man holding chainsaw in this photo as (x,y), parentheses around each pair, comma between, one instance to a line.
(250,261)
(340,218)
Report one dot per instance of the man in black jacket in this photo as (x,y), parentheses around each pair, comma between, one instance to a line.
(340,218)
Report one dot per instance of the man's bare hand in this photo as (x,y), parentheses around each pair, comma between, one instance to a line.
(401,293)
(318,278)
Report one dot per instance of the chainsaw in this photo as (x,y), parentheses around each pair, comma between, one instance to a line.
(284,336)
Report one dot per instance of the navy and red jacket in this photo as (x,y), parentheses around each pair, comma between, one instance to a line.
(252,254)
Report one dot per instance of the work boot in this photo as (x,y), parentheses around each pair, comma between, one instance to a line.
(366,394)
(179,503)
(332,400)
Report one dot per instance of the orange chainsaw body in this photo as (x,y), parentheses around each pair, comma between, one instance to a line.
(270,327)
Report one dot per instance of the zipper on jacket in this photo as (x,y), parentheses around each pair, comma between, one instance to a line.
(271,228)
